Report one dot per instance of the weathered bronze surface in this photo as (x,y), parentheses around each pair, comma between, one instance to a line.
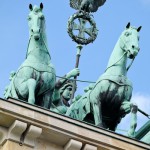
(109,100)
(104,103)
(87,5)
(63,92)
(34,81)
(84,35)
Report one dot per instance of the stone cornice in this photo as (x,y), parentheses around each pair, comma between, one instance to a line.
(59,129)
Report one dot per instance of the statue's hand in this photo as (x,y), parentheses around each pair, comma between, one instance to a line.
(73,73)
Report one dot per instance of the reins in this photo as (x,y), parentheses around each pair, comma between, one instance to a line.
(28,46)
(116,61)
(44,45)
(119,60)
(130,64)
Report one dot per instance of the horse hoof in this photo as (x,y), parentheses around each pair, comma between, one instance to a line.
(31,102)
(100,125)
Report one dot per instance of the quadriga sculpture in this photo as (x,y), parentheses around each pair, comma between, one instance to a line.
(108,101)
(35,79)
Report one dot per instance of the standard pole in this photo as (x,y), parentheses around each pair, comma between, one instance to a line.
(144,113)
(79,48)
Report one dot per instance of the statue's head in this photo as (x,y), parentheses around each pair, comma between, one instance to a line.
(66,90)
(36,21)
(129,41)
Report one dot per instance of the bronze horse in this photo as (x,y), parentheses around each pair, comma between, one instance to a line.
(109,99)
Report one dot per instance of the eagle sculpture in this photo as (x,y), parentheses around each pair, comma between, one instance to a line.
(86,5)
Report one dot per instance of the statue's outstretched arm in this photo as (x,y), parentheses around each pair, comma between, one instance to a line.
(73,73)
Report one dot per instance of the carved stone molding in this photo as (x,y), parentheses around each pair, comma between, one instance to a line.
(73,145)
(15,130)
(89,147)
(32,133)
(3,135)
(12,133)
(21,133)
(58,132)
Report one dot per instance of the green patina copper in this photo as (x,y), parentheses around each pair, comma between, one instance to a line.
(104,103)
(146,138)
(8,89)
(83,35)
(63,92)
(133,123)
(143,133)
(108,101)
(81,107)
(34,81)
(87,5)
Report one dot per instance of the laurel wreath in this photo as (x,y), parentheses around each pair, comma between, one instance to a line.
(87,17)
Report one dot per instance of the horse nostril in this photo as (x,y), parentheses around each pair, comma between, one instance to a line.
(133,46)
(36,38)
(131,56)
(39,30)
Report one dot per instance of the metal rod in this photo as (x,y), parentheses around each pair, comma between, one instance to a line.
(144,113)
(79,48)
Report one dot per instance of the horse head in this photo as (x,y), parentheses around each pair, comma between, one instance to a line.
(36,21)
(129,41)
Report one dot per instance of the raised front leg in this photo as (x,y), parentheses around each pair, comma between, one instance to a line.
(126,108)
(133,123)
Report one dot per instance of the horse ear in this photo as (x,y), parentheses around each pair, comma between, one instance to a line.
(41,5)
(30,7)
(139,28)
(128,25)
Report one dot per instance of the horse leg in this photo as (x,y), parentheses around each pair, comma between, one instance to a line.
(96,104)
(126,108)
(133,123)
(48,84)
(47,99)
(31,84)
(97,114)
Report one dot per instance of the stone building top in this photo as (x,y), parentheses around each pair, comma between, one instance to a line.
(33,127)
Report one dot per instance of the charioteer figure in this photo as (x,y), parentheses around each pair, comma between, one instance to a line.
(63,92)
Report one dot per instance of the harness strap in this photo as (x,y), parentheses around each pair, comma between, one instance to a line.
(130,64)
(119,60)
(116,61)
(28,46)
(44,45)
